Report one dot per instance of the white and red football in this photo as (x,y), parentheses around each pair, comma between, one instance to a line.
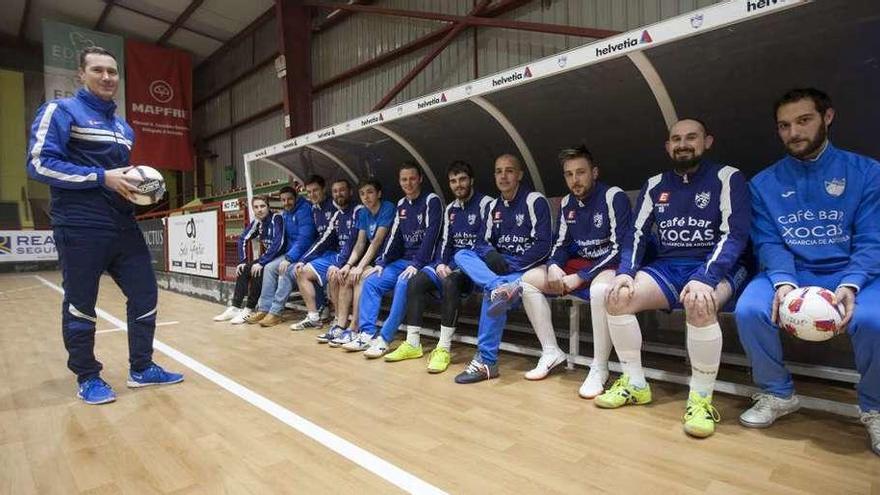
(809,313)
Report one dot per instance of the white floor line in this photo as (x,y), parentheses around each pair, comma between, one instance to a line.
(122,329)
(376,465)
(22,289)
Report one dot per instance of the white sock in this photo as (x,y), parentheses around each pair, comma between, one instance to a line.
(538,309)
(601,336)
(446,337)
(627,338)
(413,335)
(314,316)
(704,351)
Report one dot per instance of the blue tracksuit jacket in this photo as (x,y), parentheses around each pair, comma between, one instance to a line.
(339,237)
(299,229)
(464,221)
(413,235)
(270,232)
(519,229)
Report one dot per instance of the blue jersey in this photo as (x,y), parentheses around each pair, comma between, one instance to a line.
(73,142)
(270,233)
(415,230)
(323,214)
(339,237)
(299,229)
(704,215)
(593,228)
(821,216)
(519,229)
(464,221)
(369,223)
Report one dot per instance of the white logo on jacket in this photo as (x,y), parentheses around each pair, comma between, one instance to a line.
(520,218)
(702,199)
(835,187)
(472,219)
(597,220)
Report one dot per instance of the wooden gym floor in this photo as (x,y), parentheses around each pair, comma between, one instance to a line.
(271,411)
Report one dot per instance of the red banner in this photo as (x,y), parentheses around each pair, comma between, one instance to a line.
(158,88)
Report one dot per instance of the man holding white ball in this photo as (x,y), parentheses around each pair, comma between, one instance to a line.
(80,148)
(816,223)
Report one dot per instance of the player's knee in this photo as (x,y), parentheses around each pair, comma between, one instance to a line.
(616,307)
(866,320)
(749,309)
(598,292)
(699,317)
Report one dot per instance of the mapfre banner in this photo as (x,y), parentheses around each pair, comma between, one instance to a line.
(159,94)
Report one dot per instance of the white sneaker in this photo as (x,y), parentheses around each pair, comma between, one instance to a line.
(378,348)
(241,316)
(306,324)
(361,343)
(547,362)
(594,385)
(871,420)
(230,313)
(767,409)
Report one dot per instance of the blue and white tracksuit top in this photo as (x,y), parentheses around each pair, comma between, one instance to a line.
(73,142)
(519,229)
(704,215)
(593,228)
(413,235)
(821,216)
(464,220)
(270,232)
(323,214)
(299,229)
(338,238)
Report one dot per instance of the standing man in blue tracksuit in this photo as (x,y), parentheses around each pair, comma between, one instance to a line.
(594,220)
(331,250)
(462,225)
(299,234)
(701,210)
(80,148)
(409,247)
(817,222)
(267,228)
(516,236)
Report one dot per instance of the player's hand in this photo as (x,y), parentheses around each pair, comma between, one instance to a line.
(555,277)
(373,269)
(256,268)
(240,268)
(408,273)
(125,185)
(443,271)
(777,300)
(298,267)
(355,274)
(847,297)
(344,273)
(622,288)
(699,296)
(282,267)
(571,282)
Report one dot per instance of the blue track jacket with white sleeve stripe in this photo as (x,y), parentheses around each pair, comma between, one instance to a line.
(339,236)
(519,229)
(464,221)
(592,228)
(270,232)
(415,230)
(72,143)
(705,215)
(819,215)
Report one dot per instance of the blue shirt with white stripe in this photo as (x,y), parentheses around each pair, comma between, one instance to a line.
(518,229)
(415,231)
(73,142)
(592,228)
(462,225)
(339,237)
(705,215)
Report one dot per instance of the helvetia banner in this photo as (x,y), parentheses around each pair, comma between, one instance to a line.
(61,46)
(159,93)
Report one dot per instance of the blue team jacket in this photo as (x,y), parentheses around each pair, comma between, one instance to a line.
(519,229)
(299,229)
(704,215)
(414,233)
(72,142)
(593,228)
(339,237)
(464,220)
(820,216)
(323,214)
(270,232)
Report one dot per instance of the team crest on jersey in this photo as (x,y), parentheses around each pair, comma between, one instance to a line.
(327,215)
(419,218)
(598,218)
(401,213)
(520,218)
(571,216)
(835,187)
(702,199)
(472,219)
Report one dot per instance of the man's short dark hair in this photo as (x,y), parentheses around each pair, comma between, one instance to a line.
(819,97)
(370,182)
(93,50)
(579,151)
(409,166)
(316,179)
(264,199)
(460,167)
(337,181)
(288,190)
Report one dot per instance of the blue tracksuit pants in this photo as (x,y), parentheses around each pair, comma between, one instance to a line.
(762,343)
(84,254)
(376,286)
(491,327)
